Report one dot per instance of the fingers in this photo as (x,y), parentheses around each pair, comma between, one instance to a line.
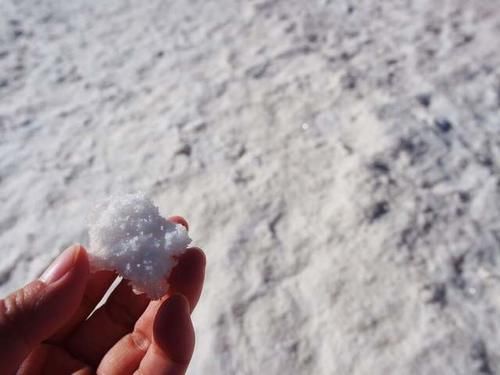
(186,278)
(126,355)
(188,275)
(168,350)
(99,282)
(53,360)
(33,313)
(173,331)
(116,318)
(173,339)
(94,337)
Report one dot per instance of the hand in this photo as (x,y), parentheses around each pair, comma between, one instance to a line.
(45,327)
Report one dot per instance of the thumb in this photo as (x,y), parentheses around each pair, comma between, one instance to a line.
(33,313)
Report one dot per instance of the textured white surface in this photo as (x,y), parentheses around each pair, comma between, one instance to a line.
(128,235)
(348,229)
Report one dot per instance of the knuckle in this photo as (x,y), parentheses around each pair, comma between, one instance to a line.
(17,309)
(15,313)
(139,340)
(23,301)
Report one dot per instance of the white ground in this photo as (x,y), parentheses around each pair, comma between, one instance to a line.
(349,229)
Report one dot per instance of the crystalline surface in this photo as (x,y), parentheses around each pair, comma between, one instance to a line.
(128,235)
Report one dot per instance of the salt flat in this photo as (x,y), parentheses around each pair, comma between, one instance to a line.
(337,160)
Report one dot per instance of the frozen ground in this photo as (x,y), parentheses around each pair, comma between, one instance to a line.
(338,160)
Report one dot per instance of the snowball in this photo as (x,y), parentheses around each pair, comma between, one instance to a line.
(128,235)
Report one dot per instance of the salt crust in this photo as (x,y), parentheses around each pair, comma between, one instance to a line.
(128,235)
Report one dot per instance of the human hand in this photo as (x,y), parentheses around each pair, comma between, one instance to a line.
(45,327)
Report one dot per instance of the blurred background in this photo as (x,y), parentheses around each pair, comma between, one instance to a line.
(337,160)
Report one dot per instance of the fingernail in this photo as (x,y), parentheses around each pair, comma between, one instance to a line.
(61,266)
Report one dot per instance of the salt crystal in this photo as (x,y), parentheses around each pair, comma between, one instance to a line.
(128,235)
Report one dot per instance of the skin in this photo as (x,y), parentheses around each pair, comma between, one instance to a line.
(45,327)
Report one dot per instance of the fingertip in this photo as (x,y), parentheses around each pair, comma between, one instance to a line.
(80,271)
(72,260)
(173,330)
(34,313)
(188,275)
(194,258)
(82,258)
(71,286)
(179,220)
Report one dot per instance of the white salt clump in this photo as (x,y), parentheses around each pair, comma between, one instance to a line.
(128,235)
